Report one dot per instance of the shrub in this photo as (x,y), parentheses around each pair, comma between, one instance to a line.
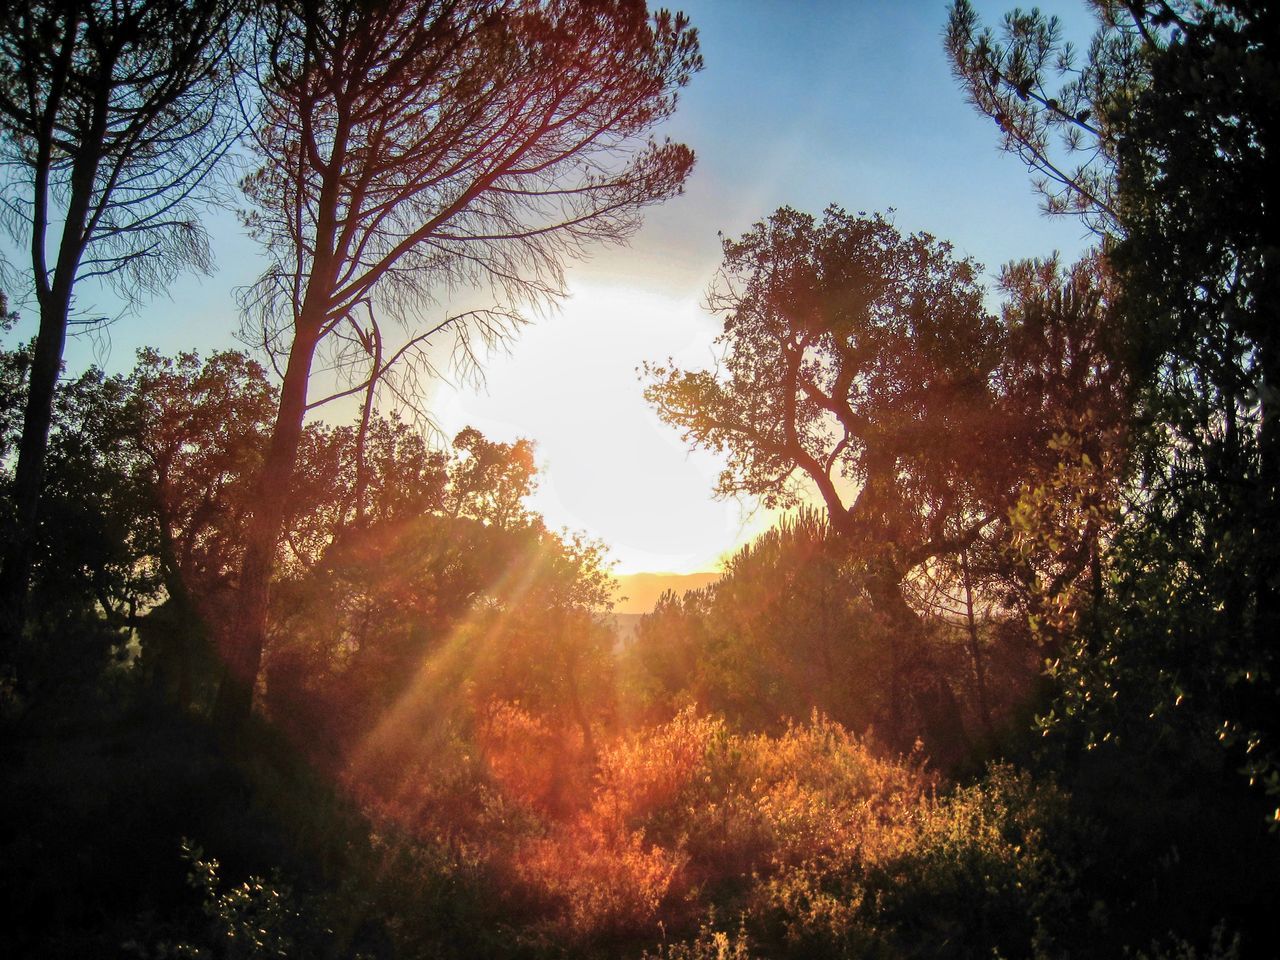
(709,944)
(988,868)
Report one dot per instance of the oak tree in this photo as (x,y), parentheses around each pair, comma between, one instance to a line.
(858,361)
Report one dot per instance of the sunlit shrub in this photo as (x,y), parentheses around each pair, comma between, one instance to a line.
(1220,947)
(647,772)
(823,846)
(743,803)
(533,764)
(441,793)
(709,944)
(815,909)
(252,920)
(601,884)
(688,812)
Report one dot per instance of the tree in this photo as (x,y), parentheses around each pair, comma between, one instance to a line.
(114,119)
(195,431)
(781,634)
(1067,135)
(1199,160)
(91,578)
(1174,105)
(860,361)
(416,144)
(451,593)
(1061,381)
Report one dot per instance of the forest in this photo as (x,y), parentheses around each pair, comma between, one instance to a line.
(285,672)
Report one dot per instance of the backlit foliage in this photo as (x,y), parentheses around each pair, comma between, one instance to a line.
(973,704)
(808,835)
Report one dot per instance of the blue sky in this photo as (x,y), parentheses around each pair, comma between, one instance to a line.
(801,104)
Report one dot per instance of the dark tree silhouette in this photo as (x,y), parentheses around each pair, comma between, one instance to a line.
(1172,111)
(859,360)
(416,145)
(1199,168)
(114,119)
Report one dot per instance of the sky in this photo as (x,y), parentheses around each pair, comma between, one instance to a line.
(801,104)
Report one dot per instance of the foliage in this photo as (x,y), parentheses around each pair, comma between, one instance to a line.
(114,120)
(1067,136)
(250,920)
(851,353)
(413,147)
(91,579)
(709,944)
(790,628)
(449,592)
(820,846)
(988,869)
(859,362)
(454,757)
(1200,282)
(1172,103)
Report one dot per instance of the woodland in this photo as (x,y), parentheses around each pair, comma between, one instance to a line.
(1002,682)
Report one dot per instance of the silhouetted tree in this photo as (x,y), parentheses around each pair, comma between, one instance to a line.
(1070,397)
(1199,163)
(91,577)
(1058,112)
(417,144)
(196,431)
(860,361)
(113,118)
(1173,109)
(437,603)
(782,633)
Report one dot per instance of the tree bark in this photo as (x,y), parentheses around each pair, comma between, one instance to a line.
(33,448)
(362,435)
(243,643)
(53,293)
(902,635)
(975,649)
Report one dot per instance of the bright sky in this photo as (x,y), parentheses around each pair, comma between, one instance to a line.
(801,104)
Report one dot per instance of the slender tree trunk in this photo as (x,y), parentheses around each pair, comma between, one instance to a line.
(580,716)
(53,293)
(903,632)
(362,436)
(33,447)
(975,650)
(32,450)
(243,645)
(1267,617)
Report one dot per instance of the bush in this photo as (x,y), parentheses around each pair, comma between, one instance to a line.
(987,868)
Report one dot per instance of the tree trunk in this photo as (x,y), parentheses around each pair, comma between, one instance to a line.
(1267,626)
(32,449)
(902,634)
(362,435)
(242,646)
(975,649)
(53,292)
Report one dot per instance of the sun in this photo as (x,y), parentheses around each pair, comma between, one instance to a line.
(609,466)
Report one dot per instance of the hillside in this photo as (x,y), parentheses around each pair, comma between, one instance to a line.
(639,592)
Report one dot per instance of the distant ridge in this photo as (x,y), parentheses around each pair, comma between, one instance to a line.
(642,590)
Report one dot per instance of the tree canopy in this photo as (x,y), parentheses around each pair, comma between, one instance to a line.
(115,117)
(415,146)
